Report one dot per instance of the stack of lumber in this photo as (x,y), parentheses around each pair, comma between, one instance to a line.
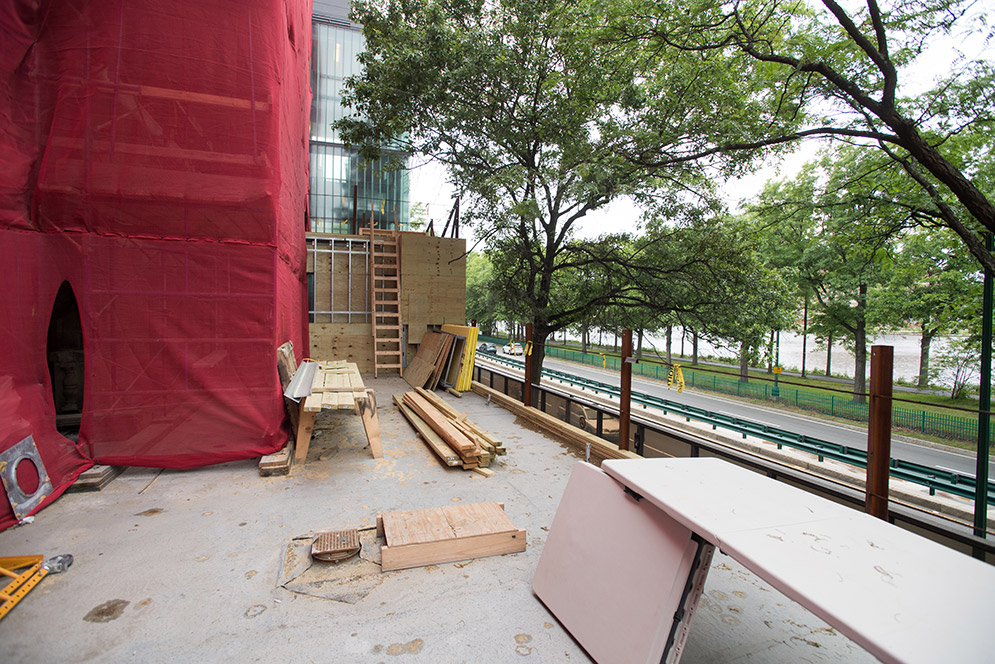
(444,359)
(456,440)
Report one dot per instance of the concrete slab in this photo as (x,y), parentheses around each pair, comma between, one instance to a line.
(189,568)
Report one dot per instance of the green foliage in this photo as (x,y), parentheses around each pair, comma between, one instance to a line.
(521,100)
(482,303)
(840,70)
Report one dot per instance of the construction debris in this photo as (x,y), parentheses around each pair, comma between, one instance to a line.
(446,534)
(456,440)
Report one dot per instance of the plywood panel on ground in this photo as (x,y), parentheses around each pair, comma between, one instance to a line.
(446,534)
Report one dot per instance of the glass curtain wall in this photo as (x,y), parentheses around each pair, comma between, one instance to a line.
(336,169)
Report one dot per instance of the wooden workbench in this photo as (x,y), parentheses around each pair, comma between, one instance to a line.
(337,385)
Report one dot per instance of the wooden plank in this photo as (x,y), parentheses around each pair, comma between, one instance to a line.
(577,438)
(371,422)
(312,403)
(447,534)
(450,373)
(428,436)
(417,317)
(440,363)
(304,429)
(486,472)
(277,463)
(440,424)
(422,366)
(448,551)
(416,527)
(454,415)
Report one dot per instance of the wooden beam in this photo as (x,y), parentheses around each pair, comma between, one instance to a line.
(429,437)
(447,534)
(368,409)
(576,438)
(304,428)
(460,443)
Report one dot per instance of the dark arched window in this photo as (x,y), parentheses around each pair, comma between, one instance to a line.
(65,361)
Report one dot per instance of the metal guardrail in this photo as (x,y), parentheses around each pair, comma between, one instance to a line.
(932,478)
(920,420)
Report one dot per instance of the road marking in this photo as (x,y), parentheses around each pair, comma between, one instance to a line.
(952,470)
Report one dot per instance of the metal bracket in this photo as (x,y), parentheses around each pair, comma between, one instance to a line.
(21,502)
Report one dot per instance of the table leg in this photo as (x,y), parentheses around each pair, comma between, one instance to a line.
(368,408)
(305,425)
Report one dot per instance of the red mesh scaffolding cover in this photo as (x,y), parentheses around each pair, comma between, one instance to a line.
(153,156)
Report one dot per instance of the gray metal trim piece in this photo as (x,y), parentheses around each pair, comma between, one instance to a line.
(21,502)
(300,384)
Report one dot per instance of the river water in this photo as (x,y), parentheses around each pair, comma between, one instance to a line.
(906,353)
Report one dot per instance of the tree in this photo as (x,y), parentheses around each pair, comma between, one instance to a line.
(842,243)
(961,359)
(482,302)
(522,105)
(844,67)
(933,284)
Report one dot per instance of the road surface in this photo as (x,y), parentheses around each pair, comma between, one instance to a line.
(828,431)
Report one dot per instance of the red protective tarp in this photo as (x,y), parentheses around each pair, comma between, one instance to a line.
(153,156)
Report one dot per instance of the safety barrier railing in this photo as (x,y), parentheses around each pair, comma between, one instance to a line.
(940,425)
(934,479)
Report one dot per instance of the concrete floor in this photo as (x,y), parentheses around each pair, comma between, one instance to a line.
(206,565)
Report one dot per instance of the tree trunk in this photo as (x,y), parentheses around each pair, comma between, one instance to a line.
(670,343)
(584,332)
(684,334)
(539,336)
(694,348)
(744,363)
(860,348)
(639,343)
(804,334)
(615,342)
(924,343)
(829,355)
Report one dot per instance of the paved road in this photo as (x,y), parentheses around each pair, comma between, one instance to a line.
(926,456)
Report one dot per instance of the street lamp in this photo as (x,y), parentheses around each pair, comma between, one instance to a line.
(776,392)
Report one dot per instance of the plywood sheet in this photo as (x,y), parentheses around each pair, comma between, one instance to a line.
(423,365)
(878,584)
(447,534)
(417,317)
(618,611)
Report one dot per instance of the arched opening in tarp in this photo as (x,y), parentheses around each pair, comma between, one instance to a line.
(65,361)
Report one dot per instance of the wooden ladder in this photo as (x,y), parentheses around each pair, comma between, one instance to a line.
(385,299)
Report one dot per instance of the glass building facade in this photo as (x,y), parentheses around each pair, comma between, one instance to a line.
(336,170)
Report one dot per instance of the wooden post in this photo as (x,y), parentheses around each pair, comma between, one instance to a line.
(879,431)
(625,395)
(527,392)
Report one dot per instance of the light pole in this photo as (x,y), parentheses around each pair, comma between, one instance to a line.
(776,392)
